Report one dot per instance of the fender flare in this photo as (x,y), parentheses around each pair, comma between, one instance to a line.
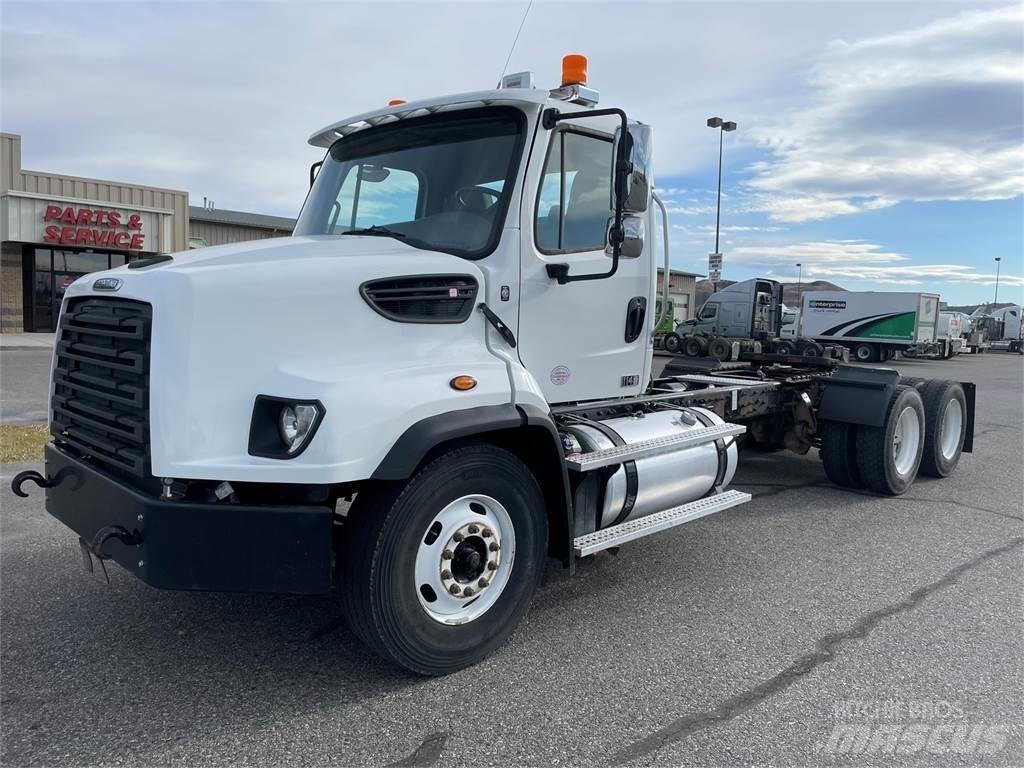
(416,443)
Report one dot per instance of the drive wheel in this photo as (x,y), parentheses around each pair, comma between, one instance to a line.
(812,349)
(865,353)
(888,457)
(720,348)
(839,453)
(695,346)
(437,574)
(785,348)
(945,412)
(672,343)
(913,381)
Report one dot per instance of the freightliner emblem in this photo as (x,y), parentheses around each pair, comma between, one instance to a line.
(107,284)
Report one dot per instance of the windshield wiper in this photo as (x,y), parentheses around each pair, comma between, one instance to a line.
(374,230)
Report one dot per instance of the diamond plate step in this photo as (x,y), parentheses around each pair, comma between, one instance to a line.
(659,521)
(585,462)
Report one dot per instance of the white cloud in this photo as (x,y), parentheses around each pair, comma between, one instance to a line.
(837,260)
(932,113)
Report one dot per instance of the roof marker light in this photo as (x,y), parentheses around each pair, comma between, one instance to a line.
(395,102)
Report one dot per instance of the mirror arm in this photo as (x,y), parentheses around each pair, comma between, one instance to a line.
(313,170)
(667,274)
(623,168)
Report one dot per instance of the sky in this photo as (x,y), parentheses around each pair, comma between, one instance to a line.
(879,144)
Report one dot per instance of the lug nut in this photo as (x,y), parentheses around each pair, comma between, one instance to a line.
(482,583)
(455,589)
(486,533)
(458,536)
(473,529)
(494,546)
(446,575)
(447,554)
(492,566)
(469,592)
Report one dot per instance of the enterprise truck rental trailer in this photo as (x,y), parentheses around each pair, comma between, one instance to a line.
(874,326)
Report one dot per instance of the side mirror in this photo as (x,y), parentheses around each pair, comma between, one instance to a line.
(632,237)
(638,182)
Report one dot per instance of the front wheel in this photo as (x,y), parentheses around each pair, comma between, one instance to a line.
(865,353)
(437,575)
(672,343)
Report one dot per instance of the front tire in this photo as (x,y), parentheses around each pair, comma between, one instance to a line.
(889,456)
(865,353)
(672,343)
(476,515)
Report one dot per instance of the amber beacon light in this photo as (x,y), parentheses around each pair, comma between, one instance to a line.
(574,69)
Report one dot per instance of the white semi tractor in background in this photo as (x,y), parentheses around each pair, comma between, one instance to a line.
(457,339)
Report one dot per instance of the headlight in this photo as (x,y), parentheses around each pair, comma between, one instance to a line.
(282,428)
(295,424)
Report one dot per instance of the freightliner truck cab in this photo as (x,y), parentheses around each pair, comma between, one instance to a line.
(456,340)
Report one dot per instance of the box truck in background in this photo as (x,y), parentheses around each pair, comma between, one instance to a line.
(872,325)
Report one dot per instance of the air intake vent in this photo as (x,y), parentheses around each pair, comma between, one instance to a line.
(422,298)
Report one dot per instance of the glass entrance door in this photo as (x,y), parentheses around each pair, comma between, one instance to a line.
(53,272)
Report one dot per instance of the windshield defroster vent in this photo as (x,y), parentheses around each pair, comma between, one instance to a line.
(422,298)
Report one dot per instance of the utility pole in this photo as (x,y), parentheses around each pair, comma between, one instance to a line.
(716,258)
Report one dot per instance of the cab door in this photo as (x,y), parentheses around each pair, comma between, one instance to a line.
(576,338)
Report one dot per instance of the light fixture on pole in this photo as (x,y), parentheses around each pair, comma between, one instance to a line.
(799,280)
(724,127)
(996,299)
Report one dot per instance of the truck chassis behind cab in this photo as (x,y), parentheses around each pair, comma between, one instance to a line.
(407,351)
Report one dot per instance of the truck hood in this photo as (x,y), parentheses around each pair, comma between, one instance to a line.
(284,317)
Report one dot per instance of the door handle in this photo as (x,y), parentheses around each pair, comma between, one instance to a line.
(636,311)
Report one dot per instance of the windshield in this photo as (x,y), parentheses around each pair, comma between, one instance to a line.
(441,182)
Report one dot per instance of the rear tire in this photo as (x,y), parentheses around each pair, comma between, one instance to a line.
(672,343)
(812,349)
(945,411)
(785,348)
(839,453)
(695,346)
(391,536)
(888,457)
(913,381)
(865,353)
(720,348)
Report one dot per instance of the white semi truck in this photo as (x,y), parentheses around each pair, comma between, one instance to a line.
(873,325)
(457,339)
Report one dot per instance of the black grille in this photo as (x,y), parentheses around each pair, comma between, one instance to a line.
(422,298)
(101,382)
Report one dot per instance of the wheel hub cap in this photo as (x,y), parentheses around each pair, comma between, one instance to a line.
(464,560)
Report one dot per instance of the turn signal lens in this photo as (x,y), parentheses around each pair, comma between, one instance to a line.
(574,69)
(462,383)
(395,102)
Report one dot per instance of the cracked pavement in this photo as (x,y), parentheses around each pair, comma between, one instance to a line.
(739,639)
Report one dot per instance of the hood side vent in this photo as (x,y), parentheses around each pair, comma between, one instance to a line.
(422,298)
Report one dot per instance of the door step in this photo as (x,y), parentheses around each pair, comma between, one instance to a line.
(659,521)
(585,462)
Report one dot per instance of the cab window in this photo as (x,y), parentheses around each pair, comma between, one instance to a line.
(709,312)
(574,201)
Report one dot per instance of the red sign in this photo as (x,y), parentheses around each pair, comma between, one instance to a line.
(91,226)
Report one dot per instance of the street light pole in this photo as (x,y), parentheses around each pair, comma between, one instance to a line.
(724,127)
(799,280)
(996,299)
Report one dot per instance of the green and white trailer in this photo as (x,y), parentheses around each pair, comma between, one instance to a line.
(873,325)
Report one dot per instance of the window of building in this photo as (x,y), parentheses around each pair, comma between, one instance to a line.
(574,203)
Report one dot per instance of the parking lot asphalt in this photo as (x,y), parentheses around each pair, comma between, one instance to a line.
(24,381)
(805,627)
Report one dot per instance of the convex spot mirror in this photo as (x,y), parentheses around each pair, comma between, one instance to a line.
(632,237)
(638,182)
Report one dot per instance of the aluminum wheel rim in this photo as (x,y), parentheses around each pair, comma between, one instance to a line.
(906,441)
(452,587)
(863,353)
(952,424)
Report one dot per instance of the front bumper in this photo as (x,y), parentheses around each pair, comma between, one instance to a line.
(195,546)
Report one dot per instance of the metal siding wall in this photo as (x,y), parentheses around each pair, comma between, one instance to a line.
(215,233)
